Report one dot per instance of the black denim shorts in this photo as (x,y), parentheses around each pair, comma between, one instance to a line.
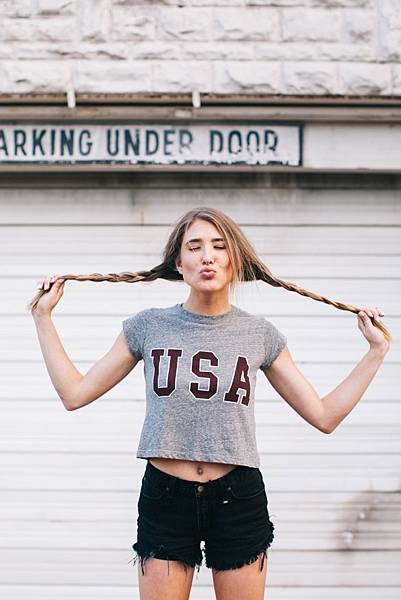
(229,514)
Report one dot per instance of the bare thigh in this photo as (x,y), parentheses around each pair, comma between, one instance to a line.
(246,583)
(164,579)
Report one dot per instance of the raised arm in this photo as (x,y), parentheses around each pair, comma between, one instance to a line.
(74,389)
(295,389)
(327,413)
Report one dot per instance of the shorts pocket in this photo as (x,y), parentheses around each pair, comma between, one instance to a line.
(250,487)
(153,489)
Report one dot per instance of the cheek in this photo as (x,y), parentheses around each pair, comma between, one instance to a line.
(227,262)
(189,264)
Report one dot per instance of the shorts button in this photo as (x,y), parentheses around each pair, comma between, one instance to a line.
(200,488)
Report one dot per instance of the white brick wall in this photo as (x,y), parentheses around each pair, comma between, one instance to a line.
(296,47)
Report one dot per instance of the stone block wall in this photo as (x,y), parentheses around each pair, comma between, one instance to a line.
(283,47)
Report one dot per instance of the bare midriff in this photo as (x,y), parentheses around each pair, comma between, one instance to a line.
(191,470)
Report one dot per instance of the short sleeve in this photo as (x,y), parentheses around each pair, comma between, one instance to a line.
(134,331)
(275,341)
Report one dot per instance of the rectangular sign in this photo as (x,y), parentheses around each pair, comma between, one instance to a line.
(253,143)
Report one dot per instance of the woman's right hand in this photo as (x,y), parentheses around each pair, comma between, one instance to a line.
(54,287)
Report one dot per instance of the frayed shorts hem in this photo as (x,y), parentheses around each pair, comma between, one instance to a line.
(142,556)
(222,565)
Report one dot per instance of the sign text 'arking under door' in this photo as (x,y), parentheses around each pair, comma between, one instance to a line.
(252,143)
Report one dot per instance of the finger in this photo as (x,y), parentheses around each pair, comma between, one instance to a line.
(371,312)
(376,314)
(49,281)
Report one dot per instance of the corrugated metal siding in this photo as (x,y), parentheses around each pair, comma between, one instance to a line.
(70,481)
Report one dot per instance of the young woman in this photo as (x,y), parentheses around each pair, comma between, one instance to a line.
(202,479)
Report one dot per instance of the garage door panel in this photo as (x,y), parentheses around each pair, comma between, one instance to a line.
(122,206)
(70,479)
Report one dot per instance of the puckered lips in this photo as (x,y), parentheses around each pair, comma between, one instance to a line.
(207,272)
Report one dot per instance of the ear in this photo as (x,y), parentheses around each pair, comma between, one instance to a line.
(178,265)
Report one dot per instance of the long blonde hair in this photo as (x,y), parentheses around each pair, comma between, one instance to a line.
(246,265)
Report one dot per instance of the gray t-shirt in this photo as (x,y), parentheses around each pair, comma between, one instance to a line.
(200,374)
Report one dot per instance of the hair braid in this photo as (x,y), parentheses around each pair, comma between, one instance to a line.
(246,264)
(266,276)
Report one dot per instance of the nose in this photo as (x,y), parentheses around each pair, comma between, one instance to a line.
(207,255)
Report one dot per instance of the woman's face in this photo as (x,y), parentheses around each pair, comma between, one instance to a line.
(203,247)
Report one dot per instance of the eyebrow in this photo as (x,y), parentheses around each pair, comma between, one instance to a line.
(200,239)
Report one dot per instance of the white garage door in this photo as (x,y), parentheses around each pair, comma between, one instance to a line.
(69,480)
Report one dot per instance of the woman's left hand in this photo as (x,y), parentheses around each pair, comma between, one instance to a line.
(373,335)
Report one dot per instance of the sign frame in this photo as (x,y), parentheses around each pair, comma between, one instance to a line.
(138,164)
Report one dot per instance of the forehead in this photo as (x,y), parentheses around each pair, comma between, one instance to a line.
(201,229)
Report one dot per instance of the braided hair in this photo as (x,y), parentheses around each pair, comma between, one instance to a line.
(246,265)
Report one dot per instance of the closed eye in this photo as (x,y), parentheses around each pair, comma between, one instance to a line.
(197,247)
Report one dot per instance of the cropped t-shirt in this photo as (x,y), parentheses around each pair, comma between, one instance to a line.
(200,373)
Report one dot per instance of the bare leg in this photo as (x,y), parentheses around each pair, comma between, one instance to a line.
(245,583)
(164,579)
